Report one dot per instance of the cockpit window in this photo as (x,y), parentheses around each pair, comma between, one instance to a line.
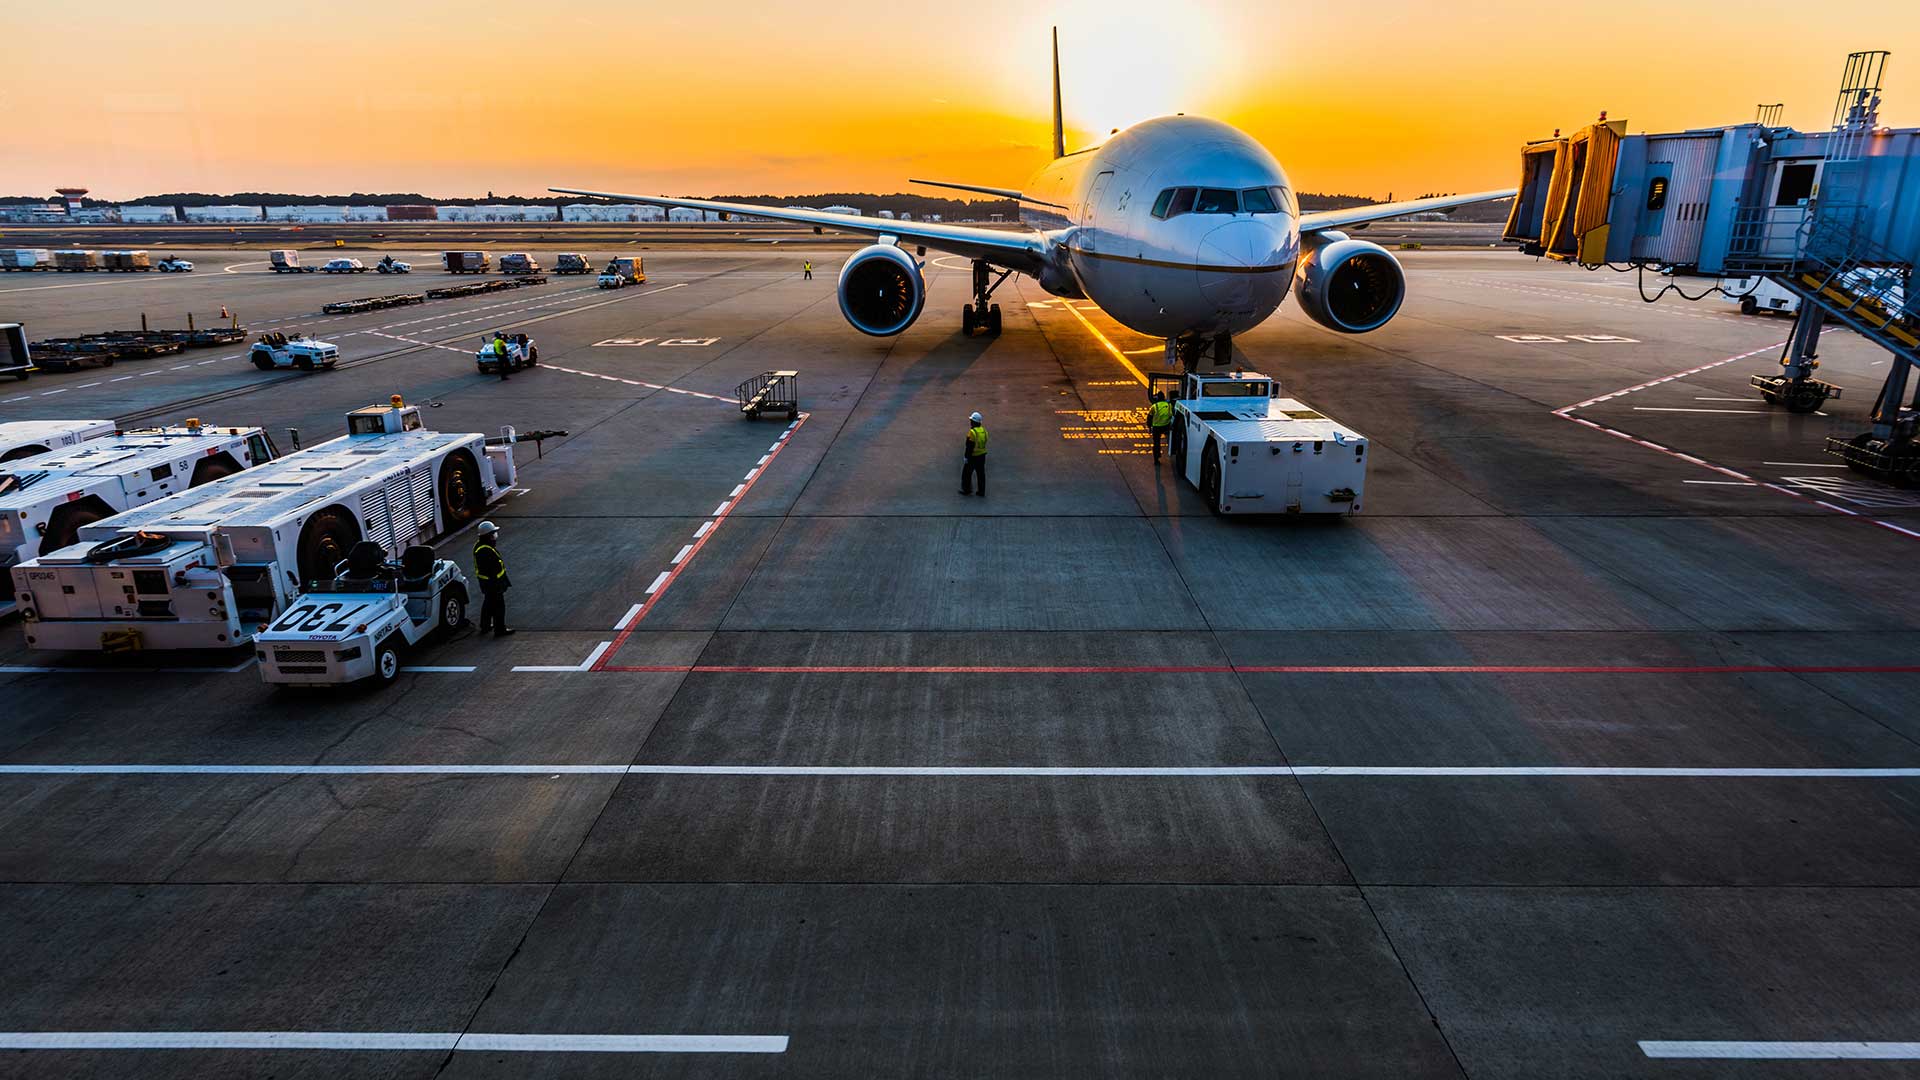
(1258,200)
(1217,201)
(1160,204)
(1182,202)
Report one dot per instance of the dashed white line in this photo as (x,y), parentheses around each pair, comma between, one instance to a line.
(1782,1051)
(676,561)
(702,530)
(477,1041)
(657,582)
(627,619)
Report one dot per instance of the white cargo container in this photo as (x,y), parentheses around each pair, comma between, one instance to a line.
(27,438)
(1250,451)
(209,567)
(46,499)
(24,258)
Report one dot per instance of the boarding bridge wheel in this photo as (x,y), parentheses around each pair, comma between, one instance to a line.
(1795,395)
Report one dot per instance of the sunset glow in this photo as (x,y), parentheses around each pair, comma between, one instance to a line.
(460,99)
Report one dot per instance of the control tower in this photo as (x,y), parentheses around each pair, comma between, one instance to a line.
(70,198)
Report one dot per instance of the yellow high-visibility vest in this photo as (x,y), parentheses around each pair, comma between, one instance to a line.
(1161,414)
(977,440)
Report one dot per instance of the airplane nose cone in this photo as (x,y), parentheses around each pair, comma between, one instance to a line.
(1241,268)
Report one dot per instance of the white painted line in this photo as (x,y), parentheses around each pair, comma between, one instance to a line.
(1723,483)
(594,656)
(122,378)
(705,527)
(179,367)
(436,668)
(657,582)
(957,770)
(314,770)
(1592,770)
(1807,464)
(484,1041)
(627,619)
(1740,412)
(63,390)
(763,459)
(720,510)
(1742,400)
(683,554)
(751,473)
(735,493)
(1783,1051)
(83,386)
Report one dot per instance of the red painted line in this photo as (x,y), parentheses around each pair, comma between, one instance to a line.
(1269,669)
(674,575)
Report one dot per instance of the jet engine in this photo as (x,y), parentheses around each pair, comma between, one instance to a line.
(1350,285)
(881,291)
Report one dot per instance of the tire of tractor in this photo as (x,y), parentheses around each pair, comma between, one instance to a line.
(208,469)
(460,490)
(1210,478)
(304,363)
(1805,400)
(264,363)
(533,356)
(453,612)
(324,541)
(386,663)
(1749,306)
(1177,447)
(23,451)
(63,525)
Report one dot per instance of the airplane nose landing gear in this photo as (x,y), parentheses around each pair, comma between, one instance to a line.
(981,314)
(1185,352)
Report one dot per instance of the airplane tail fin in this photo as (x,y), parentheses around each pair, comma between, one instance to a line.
(1059,132)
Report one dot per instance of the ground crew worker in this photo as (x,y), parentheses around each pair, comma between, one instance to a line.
(500,353)
(806,269)
(976,459)
(491,569)
(1159,420)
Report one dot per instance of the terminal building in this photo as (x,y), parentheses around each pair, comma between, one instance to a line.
(1832,217)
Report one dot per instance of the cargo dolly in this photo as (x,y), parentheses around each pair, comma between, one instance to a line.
(372,303)
(770,391)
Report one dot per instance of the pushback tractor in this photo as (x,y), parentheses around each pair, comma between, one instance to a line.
(1250,451)
(46,500)
(27,438)
(211,567)
(356,627)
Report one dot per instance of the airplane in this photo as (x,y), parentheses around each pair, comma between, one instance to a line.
(1180,227)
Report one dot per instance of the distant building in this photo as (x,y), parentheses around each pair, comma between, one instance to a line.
(223,213)
(366,213)
(413,212)
(499,212)
(681,213)
(148,215)
(611,212)
(312,215)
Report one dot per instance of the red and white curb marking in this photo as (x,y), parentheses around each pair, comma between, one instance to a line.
(684,558)
(1566,413)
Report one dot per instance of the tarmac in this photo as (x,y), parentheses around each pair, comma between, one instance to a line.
(1587,750)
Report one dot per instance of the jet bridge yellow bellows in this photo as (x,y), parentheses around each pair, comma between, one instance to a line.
(1566,186)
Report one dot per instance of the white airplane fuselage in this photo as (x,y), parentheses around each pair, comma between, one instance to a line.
(1169,274)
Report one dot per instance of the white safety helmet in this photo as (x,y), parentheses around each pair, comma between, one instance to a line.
(488,528)
(975,418)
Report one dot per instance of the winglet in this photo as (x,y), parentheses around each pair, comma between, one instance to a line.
(1059,132)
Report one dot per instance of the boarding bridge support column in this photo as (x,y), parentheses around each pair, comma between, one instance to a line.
(1794,387)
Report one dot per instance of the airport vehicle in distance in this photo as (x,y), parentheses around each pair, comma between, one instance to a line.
(296,350)
(521,353)
(210,567)
(1250,451)
(1180,228)
(390,265)
(25,259)
(519,262)
(467,262)
(356,627)
(27,438)
(45,499)
(16,357)
(622,271)
(344,266)
(287,261)
(571,263)
(173,264)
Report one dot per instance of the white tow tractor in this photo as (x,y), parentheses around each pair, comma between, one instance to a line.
(174,265)
(521,353)
(1250,451)
(299,351)
(25,438)
(390,265)
(344,266)
(357,627)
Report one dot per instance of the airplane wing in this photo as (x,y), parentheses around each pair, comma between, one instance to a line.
(1005,193)
(1015,249)
(1360,215)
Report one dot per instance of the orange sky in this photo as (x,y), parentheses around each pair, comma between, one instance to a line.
(460,98)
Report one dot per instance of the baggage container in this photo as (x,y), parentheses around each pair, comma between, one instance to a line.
(76,259)
(25,258)
(519,262)
(125,260)
(467,262)
(15,359)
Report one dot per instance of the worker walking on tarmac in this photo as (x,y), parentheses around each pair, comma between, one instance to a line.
(975,466)
(806,270)
(500,353)
(1159,420)
(491,569)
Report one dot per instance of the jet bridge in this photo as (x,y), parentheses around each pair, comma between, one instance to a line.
(1831,216)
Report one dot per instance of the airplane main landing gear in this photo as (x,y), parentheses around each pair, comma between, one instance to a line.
(1186,352)
(982,314)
